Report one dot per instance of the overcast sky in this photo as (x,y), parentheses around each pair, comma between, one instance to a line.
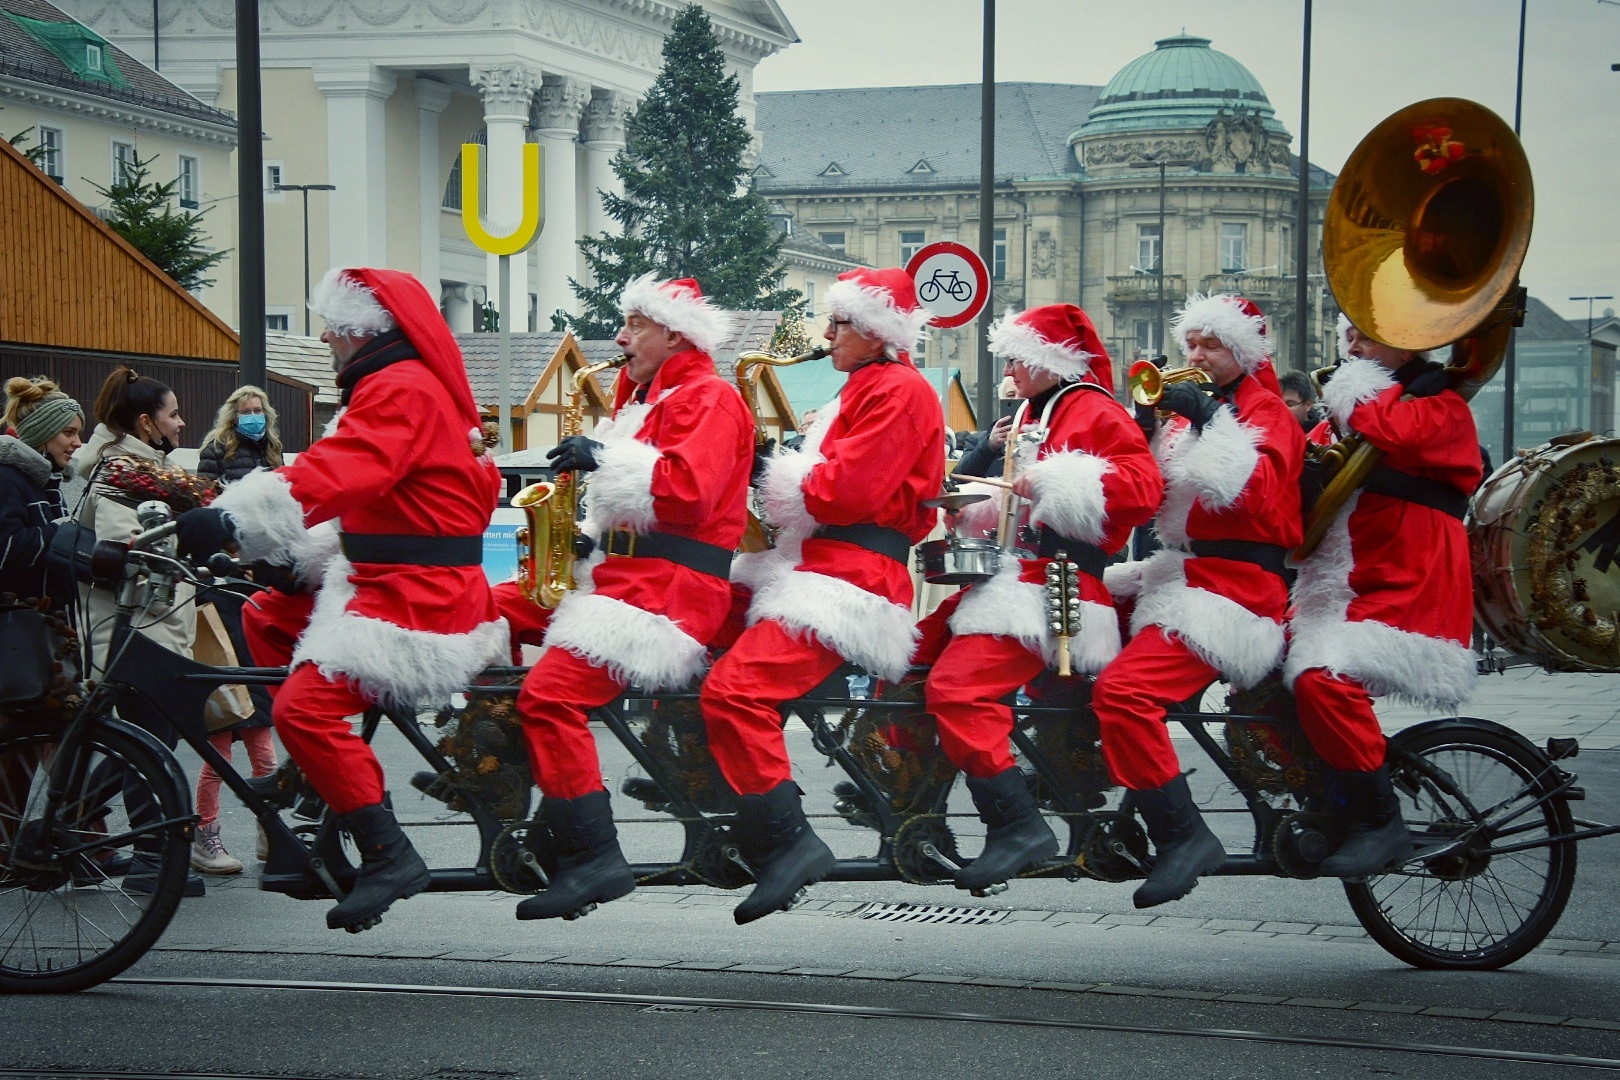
(1369,58)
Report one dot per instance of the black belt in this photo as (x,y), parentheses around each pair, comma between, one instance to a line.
(1435,494)
(404,549)
(1088,557)
(1268,557)
(876,538)
(711,559)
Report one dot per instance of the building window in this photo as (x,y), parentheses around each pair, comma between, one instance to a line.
(273,174)
(1147,249)
(1148,337)
(92,56)
(188,187)
(809,298)
(1234,240)
(1285,262)
(998,255)
(123,161)
(911,242)
(452,189)
(279,322)
(834,240)
(50,152)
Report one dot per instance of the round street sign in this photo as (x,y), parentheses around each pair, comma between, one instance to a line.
(952,282)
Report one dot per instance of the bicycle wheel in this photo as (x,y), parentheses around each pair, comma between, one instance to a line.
(1469,791)
(71,921)
(928,291)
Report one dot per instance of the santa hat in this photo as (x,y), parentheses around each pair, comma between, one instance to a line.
(1058,338)
(881,304)
(678,306)
(348,308)
(1236,321)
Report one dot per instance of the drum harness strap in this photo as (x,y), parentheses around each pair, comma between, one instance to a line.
(1046,543)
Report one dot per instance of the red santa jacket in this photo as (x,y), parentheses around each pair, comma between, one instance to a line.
(1095,480)
(872,456)
(676,461)
(400,461)
(1238,479)
(1387,597)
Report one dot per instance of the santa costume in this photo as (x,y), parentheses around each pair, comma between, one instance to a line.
(1211,604)
(1094,480)
(837,587)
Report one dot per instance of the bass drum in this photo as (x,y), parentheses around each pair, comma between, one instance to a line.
(1544,537)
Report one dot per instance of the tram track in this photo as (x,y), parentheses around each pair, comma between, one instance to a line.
(666,1002)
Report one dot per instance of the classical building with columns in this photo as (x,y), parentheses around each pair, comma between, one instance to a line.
(376,96)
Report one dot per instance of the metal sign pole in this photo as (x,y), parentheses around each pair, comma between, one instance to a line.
(503,410)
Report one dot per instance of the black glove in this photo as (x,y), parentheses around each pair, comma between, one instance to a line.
(762,460)
(1186,400)
(1147,418)
(584,546)
(1429,383)
(203,532)
(275,576)
(575,454)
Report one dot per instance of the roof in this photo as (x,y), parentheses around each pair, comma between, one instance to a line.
(913,136)
(36,54)
(1541,323)
(803,242)
(306,359)
(530,355)
(1182,82)
(810,385)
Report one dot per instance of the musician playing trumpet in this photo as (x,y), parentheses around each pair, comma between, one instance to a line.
(1082,469)
(1210,605)
(665,507)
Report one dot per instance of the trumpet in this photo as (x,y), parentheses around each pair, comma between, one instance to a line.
(1146,382)
(546,544)
(757,536)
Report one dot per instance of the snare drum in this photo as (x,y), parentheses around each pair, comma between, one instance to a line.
(1543,536)
(958,560)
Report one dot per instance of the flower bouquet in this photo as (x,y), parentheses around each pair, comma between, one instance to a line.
(141,480)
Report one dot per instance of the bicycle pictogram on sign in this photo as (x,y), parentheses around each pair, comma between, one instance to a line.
(952,282)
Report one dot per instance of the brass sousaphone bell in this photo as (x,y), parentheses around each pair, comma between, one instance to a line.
(1424,235)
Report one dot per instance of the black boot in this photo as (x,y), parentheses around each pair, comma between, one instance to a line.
(781,848)
(1018,836)
(590,867)
(1185,847)
(390,869)
(1378,836)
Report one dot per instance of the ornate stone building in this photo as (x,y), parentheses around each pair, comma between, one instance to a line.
(376,96)
(878,172)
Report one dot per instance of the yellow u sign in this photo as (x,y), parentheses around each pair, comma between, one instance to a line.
(534,217)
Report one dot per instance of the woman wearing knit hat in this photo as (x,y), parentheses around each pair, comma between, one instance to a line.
(42,426)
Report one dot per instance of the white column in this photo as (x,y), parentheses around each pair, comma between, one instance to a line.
(507,89)
(559,108)
(431,99)
(356,155)
(457,308)
(603,133)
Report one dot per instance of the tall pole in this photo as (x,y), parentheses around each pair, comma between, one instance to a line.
(987,210)
(250,194)
(154,35)
(305,193)
(1302,226)
(1510,365)
(1158,269)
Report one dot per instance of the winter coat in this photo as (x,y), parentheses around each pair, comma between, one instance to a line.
(30,507)
(250,454)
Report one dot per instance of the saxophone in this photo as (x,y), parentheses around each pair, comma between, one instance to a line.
(757,536)
(546,544)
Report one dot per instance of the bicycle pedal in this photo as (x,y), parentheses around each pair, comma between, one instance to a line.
(993,889)
(580,914)
(797,898)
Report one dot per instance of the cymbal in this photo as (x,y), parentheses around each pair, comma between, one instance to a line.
(956,501)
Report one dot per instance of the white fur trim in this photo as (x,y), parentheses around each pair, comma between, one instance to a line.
(755,569)
(390,663)
(1123,580)
(1356,382)
(315,552)
(1383,658)
(1223,633)
(1217,462)
(269,521)
(1007,607)
(349,308)
(873,314)
(1013,340)
(704,325)
(1069,494)
(1218,314)
(639,647)
(782,488)
(620,490)
(862,627)
(332,424)
(1342,332)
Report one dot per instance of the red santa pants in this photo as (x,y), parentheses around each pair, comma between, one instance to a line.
(555,703)
(965,691)
(1135,690)
(526,619)
(1337,715)
(742,699)
(272,623)
(311,715)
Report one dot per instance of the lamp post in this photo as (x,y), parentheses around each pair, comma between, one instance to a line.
(1158,264)
(306,189)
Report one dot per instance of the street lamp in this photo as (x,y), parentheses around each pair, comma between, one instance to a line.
(306,189)
(1164,334)
(1589,301)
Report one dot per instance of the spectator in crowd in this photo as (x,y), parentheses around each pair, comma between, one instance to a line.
(42,426)
(244,437)
(1300,397)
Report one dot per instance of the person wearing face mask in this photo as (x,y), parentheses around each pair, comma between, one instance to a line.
(244,437)
(42,427)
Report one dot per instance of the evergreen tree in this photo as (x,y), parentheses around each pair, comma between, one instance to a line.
(142,211)
(686,211)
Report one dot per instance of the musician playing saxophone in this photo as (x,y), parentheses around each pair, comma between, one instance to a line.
(1085,469)
(666,504)
(1384,605)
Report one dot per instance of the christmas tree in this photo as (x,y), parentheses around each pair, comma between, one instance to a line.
(142,211)
(689,208)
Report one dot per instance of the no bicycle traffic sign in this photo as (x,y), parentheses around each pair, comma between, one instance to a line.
(952,282)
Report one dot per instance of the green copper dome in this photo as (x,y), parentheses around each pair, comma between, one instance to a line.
(1181,83)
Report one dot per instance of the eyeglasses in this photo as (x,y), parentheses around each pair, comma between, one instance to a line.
(835,323)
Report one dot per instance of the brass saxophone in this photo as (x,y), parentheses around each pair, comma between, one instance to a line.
(758,536)
(546,544)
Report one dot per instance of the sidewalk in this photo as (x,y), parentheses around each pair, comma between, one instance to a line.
(1538,704)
